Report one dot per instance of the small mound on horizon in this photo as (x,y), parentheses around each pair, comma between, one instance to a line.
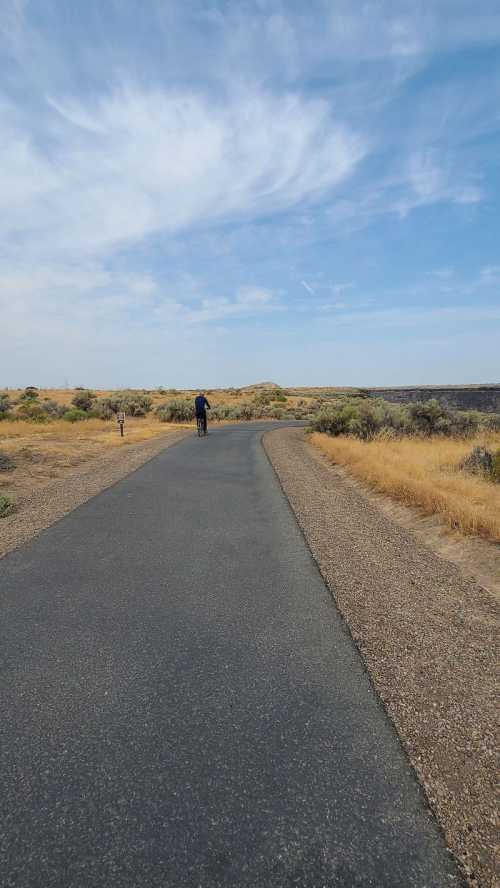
(260,385)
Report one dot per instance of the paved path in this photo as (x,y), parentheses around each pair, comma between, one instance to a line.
(182,704)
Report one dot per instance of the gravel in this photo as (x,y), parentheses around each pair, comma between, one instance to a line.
(48,504)
(428,636)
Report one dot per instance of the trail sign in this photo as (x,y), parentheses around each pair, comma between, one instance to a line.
(120,418)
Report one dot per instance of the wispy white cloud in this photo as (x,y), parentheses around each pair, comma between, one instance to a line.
(308,287)
(141,162)
(416,316)
(262,123)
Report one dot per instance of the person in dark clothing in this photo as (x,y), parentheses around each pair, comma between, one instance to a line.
(200,409)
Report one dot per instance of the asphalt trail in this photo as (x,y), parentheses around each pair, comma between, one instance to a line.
(182,705)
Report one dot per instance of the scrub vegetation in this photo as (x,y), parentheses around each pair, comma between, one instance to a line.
(445,461)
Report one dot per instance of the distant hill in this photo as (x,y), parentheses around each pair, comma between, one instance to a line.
(260,385)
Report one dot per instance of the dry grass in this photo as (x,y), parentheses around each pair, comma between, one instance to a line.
(44,452)
(107,433)
(424,473)
(215,396)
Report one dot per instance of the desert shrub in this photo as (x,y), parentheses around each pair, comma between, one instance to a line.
(130,403)
(179,410)
(52,408)
(280,399)
(491,423)
(74,414)
(33,411)
(248,411)
(83,400)
(134,403)
(366,418)
(428,417)
(335,419)
(6,506)
(101,409)
(495,467)
(29,394)
(7,464)
(225,411)
(277,413)
(482,461)
(5,405)
(264,397)
(432,418)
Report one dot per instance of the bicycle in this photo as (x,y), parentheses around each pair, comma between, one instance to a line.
(200,424)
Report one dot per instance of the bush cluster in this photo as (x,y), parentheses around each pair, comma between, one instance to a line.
(366,418)
(482,461)
(6,506)
(178,410)
(5,405)
(83,400)
(130,403)
(74,414)
(29,394)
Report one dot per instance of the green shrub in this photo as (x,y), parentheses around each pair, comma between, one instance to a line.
(30,393)
(6,506)
(429,417)
(75,415)
(335,420)
(492,423)
(225,411)
(33,411)
(175,411)
(5,405)
(83,400)
(263,398)
(52,408)
(248,411)
(101,409)
(366,418)
(130,403)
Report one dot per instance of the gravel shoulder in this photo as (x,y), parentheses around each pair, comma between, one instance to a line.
(428,635)
(46,505)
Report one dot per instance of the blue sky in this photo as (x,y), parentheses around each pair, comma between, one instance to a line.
(215,193)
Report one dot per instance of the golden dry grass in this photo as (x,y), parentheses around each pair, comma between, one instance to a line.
(424,473)
(90,430)
(215,396)
(44,452)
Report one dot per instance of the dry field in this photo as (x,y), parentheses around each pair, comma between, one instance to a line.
(215,396)
(41,453)
(35,454)
(424,473)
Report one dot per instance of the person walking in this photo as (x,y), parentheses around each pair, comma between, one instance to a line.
(200,408)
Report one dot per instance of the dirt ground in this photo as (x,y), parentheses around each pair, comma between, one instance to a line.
(428,635)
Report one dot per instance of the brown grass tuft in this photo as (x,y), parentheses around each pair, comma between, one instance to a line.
(425,473)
